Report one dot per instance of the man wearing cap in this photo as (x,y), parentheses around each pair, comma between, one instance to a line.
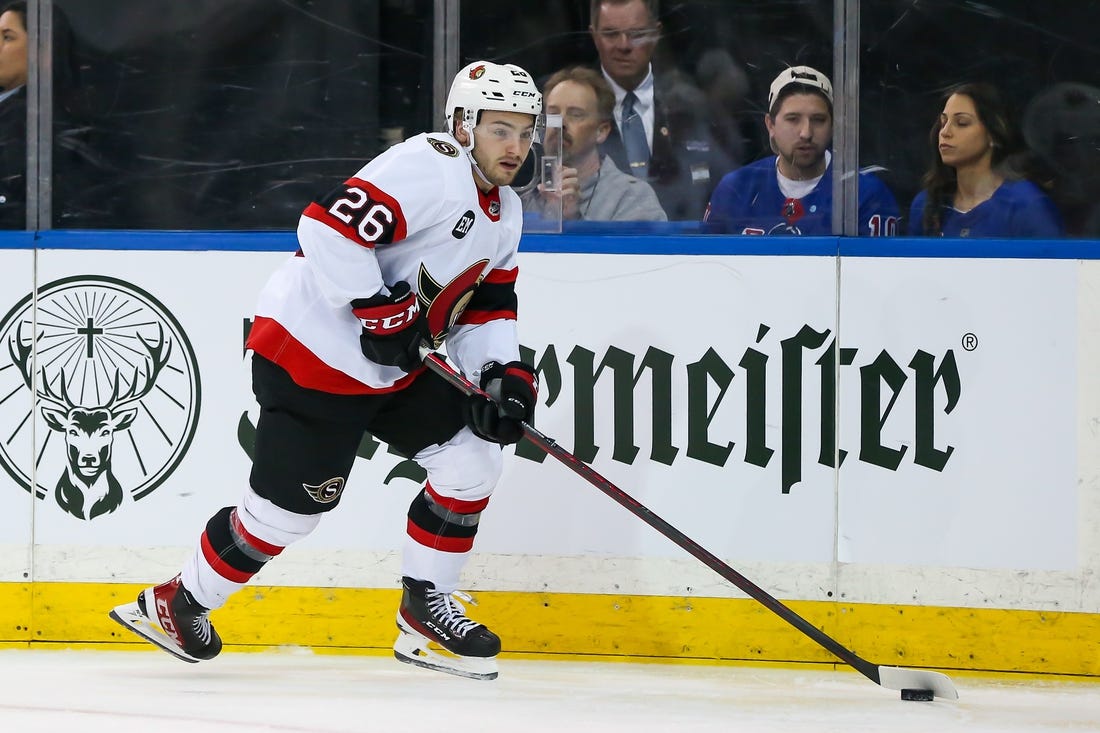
(792,192)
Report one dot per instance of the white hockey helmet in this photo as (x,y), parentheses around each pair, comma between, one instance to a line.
(484,85)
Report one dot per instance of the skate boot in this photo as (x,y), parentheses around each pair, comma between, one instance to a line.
(436,634)
(168,615)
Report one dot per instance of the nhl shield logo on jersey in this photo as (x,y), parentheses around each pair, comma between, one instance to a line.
(444,147)
(95,359)
(327,491)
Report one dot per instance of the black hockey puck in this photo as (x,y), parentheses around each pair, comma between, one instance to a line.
(917,695)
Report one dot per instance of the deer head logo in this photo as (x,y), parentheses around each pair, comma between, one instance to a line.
(99,398)
(88,488)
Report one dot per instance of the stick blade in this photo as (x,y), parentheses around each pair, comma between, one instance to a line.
(899,678)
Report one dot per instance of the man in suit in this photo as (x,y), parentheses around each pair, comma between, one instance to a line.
(660,133)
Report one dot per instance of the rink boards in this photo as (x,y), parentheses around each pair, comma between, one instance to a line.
(721,386)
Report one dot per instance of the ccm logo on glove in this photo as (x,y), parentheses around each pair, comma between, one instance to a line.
(392,327)
(388,316)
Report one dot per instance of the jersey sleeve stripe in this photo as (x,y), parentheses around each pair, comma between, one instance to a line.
(319,213)
(474,318)
(377,195)
(361,212)
(502,276)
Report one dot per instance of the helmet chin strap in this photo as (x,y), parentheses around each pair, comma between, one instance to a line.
(469,150)
(478,171)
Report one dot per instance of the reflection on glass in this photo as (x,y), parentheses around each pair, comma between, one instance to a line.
(235,115)
(1061,125)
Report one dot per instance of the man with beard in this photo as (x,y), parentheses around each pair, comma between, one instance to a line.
(792,191)
(592,188)
(419,247)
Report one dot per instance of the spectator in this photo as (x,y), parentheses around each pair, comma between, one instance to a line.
(666,139)
(592,187)
(969,190)
(13,115)
(791,192)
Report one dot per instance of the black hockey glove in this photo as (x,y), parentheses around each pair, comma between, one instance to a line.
(392,327)
(513,391)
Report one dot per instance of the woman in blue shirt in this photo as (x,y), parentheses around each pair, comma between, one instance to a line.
(969,190)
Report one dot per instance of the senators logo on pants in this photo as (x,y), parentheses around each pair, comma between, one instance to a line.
(100,394)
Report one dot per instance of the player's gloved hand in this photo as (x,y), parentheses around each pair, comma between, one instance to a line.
(513,391)
(392,327)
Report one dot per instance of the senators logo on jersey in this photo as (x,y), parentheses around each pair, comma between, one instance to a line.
(326,492)
(442,304)
(444,147)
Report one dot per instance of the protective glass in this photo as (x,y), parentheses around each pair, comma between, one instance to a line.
(542,173)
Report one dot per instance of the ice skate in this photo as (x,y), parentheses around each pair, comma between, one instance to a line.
(436,633)
(168,615)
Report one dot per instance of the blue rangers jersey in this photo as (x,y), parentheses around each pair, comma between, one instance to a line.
(1017,209)
(749,201)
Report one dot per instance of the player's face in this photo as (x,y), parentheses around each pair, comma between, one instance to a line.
(582,128)
(625,37)
(800,133)
(502,141)
(964,140)
(13,51)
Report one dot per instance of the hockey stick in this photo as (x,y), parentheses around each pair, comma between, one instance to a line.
(916,682)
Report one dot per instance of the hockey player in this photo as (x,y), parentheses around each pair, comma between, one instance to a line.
(418,247)
(792,192)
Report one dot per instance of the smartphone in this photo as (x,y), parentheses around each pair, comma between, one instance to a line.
(551,173)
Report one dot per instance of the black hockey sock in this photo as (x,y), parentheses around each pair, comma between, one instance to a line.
(444,523)
(232,551)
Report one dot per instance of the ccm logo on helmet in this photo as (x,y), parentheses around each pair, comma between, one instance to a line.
(522,93)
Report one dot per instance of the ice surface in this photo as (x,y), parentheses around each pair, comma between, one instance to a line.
(148,691)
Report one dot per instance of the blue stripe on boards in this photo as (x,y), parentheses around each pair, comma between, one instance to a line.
(641,238)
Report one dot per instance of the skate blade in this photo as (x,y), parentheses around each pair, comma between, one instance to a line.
(415,650)
(130,616)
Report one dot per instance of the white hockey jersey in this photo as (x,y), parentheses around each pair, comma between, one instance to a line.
(414,214)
